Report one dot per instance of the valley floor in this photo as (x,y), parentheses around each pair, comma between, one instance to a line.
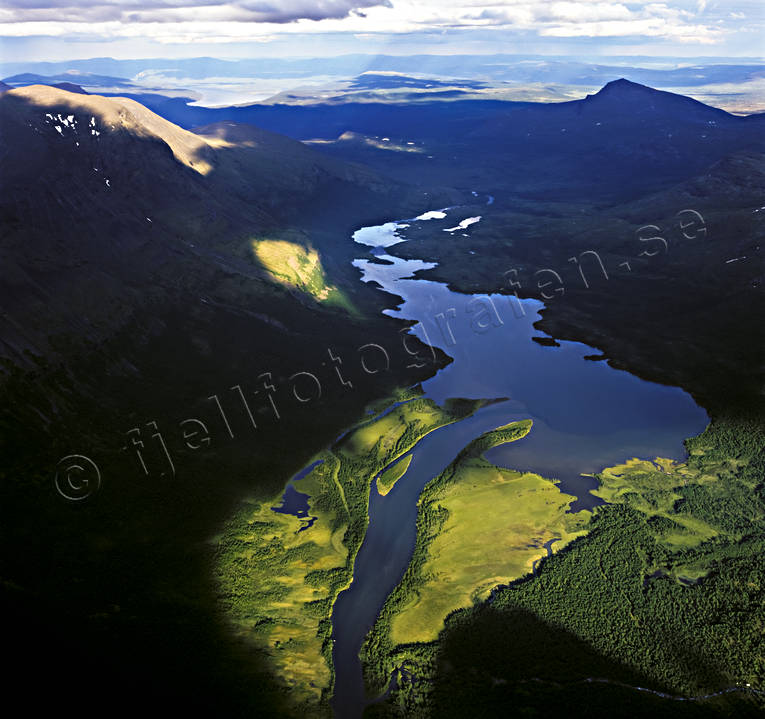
(662,593)
(278,575)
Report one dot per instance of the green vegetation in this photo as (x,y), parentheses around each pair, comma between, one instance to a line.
(649,487)
(473,505)
(277,580)
(387,480)
(666,591)
(488,440)
(299,267)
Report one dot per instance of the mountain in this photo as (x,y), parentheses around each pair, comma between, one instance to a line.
(631,99)
(109,209)
(617,144)
(136,252)
(159,278)
(614,144)
(83,78)
(521,68)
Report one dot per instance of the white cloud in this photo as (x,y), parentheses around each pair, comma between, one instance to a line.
(189,21)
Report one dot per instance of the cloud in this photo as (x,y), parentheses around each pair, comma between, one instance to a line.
(164,11)
(198,21)
(578,19)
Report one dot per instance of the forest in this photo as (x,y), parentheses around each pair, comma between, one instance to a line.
(661,605)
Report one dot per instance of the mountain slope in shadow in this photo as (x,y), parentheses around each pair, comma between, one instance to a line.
(625,140)
(133,299)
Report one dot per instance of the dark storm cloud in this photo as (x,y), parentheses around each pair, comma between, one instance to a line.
(282,11)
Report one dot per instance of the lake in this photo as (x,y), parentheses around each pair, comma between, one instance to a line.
(586,416)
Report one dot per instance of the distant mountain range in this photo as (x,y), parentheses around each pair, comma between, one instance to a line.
(517,68)
(89,79)
(734,83)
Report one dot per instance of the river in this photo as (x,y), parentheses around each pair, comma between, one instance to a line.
(586,415)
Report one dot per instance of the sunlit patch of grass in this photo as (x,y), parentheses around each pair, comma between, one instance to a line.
(264,564)
(480,526)
(293,265)
(498,521)
(385,430)
(391,432)
(387,480)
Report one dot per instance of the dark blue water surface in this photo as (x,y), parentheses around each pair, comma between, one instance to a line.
(296,503)
(293,502)
(586,416)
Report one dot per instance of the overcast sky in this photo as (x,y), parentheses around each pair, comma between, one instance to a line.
(67,29)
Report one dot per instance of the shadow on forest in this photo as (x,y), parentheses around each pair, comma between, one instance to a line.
(510,663)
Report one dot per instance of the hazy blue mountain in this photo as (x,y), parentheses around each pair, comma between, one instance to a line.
(91,79)
(517,68)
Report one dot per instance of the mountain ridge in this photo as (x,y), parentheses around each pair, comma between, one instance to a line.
(637,96)
(128,193)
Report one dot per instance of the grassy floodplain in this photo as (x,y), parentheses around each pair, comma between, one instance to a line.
(478,526)
(675,554)
(277,579)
